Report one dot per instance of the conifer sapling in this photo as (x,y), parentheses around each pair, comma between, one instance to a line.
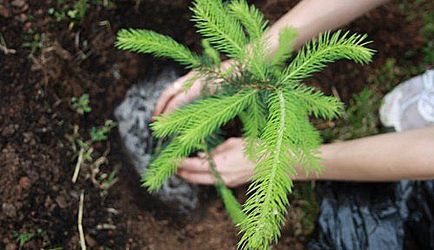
(267,95)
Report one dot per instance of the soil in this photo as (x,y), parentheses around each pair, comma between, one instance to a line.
(45,62)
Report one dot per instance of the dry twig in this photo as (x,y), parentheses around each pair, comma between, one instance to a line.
(79,222)
(78,165)
(4,47)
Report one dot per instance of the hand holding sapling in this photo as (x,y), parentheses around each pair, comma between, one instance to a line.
(179,94)
(231,162)
(270,99)
(175,95)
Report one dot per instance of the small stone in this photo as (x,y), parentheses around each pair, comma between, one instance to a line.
(28,137)
(25,182)
(18,3)
(61,201)
(9,210)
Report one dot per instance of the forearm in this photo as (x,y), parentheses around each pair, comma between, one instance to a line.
(311,17)
(387,157)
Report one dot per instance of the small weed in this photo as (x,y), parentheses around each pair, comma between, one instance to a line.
(86,148)
(74,13)
(100,134)
(61,123)
(79,10)
(24,237)
(81,104)
(36,42)
(59,15)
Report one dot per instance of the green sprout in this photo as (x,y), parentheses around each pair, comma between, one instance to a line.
(24,237)
(101,133)
(79,10)
(81,104)
(36,42)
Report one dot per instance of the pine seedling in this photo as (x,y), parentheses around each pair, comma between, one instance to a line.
(267,95)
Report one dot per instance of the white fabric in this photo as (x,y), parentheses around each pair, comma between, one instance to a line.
(426,102)
(411,104)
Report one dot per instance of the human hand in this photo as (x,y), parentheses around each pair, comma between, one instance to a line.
(232,164)
(175,95)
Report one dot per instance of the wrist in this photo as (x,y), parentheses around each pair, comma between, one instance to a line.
(327,155)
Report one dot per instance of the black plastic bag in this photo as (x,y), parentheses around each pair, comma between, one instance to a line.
(375,216)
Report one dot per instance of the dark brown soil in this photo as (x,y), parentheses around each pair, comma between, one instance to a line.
(37,161)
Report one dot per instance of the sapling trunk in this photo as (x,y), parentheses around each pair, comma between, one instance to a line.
(233,207)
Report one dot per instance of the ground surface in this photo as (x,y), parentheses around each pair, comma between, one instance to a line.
(51,51)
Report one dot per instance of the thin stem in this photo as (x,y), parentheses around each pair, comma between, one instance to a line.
(213,167)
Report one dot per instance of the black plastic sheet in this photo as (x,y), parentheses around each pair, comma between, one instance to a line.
(375,216)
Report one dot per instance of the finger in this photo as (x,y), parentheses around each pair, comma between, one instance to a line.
(176,102)
(197,178)
(164,99)
(194,164)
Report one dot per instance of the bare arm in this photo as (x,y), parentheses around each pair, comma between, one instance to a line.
(309,18)
(387,157)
